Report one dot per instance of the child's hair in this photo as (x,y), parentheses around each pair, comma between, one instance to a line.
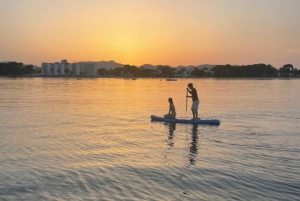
(190,85)
(171,100)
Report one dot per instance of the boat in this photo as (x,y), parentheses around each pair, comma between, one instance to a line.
(186,121)
(171,79)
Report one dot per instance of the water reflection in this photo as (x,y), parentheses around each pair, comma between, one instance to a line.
(172,128)
(194,145)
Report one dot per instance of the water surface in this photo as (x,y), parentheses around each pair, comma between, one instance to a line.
(92,139)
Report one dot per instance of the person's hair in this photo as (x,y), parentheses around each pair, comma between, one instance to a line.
(190,85)
(171,100)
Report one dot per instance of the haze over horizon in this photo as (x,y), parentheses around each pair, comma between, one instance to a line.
(190,32)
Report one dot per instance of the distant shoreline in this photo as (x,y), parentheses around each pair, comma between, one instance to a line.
(116,77)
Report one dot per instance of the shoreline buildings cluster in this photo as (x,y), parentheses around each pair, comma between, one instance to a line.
(113,69)
(65,68)
(91,69)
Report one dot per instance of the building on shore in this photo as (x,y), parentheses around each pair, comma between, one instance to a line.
(64,68)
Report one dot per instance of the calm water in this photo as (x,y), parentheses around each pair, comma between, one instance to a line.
(92,139)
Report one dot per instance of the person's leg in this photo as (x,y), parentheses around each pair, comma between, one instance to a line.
(194,114)
(193,110)
(169,116)
(196,108)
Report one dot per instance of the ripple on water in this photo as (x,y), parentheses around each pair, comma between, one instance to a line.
(68,139)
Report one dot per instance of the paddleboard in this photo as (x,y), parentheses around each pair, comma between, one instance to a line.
(186,121)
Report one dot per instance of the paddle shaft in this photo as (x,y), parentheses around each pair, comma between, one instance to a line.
(186,100)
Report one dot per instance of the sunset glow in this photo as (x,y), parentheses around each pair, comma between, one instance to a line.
(167,32)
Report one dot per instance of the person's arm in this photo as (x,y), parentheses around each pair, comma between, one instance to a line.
(189,92)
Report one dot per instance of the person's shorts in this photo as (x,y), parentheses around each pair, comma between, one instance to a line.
(195,105)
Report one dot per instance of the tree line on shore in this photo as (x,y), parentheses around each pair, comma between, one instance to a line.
(255,70)
(16,69)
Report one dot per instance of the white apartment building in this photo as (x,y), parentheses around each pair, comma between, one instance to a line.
(69,69)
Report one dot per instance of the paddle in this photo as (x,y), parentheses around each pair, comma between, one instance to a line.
(186,100)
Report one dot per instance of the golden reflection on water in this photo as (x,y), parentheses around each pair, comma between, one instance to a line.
(95,137)
(107,120)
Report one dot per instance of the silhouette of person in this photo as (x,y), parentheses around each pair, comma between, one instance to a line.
(172,112)
(195,99)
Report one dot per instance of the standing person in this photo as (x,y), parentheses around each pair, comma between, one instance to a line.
(172,112)
(195,99)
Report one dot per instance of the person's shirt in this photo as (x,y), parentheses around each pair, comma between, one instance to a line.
(194,94)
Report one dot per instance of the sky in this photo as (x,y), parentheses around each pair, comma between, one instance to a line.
(157,32)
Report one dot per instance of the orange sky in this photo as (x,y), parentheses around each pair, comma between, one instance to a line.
(169,32)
